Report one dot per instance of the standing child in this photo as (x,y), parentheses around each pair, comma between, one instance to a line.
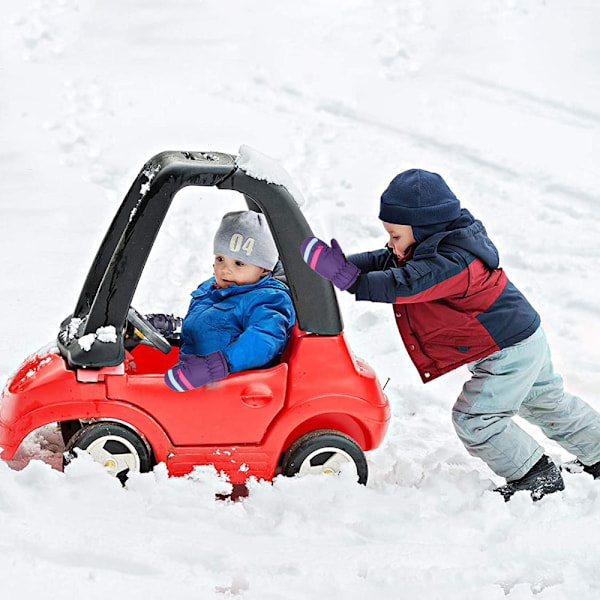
(453,306)
(241,318)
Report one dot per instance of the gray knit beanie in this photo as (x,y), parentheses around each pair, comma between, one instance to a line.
(245,235)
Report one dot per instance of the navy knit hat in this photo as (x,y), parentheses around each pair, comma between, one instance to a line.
(420,199)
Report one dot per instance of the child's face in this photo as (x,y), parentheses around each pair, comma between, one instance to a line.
(401,238)
(230,271)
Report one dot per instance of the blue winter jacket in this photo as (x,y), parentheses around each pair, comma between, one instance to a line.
(250,324)
(452,302)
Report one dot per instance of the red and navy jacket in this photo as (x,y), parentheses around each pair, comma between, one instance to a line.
(452,303)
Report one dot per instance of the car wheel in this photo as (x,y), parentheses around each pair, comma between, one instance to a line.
(114,446)
(325,451)
(68,429)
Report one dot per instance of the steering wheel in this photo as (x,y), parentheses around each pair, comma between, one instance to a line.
(149,333)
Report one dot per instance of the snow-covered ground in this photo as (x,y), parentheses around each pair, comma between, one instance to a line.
(501,97)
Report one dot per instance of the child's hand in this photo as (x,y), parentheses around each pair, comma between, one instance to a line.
(329,262)
(193,371)
(166,325)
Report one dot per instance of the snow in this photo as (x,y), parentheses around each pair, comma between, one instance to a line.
(265,168)
(86,341)
(501,98)
(71,330)
(107,335)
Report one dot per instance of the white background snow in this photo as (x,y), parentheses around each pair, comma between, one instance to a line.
(501,97)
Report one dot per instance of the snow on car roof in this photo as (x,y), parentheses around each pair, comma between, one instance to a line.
(263,167)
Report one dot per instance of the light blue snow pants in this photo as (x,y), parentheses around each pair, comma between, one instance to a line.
(521,380)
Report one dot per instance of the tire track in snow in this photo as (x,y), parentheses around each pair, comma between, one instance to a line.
(339,109)
(288,100)
(526,102)
(297,103)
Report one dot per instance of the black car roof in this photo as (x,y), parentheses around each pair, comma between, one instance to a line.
(113,277)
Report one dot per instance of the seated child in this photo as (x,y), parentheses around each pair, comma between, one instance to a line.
(241,318)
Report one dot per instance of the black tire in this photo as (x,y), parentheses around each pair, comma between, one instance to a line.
(324,451)
(114,446)
(68,429)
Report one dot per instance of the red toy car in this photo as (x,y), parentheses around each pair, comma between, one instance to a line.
(317,411)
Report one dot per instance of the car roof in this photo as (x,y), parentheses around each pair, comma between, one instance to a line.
(113,277)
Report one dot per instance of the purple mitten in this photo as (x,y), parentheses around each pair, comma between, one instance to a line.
(329,262)
(193,371)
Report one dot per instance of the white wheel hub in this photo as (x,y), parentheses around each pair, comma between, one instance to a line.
(102,451)
(327,461)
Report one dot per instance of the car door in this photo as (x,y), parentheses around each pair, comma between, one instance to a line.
(235,410)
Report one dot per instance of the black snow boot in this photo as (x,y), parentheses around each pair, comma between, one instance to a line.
(576,466)
(542,479)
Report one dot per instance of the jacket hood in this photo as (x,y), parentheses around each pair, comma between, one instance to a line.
(467,233)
